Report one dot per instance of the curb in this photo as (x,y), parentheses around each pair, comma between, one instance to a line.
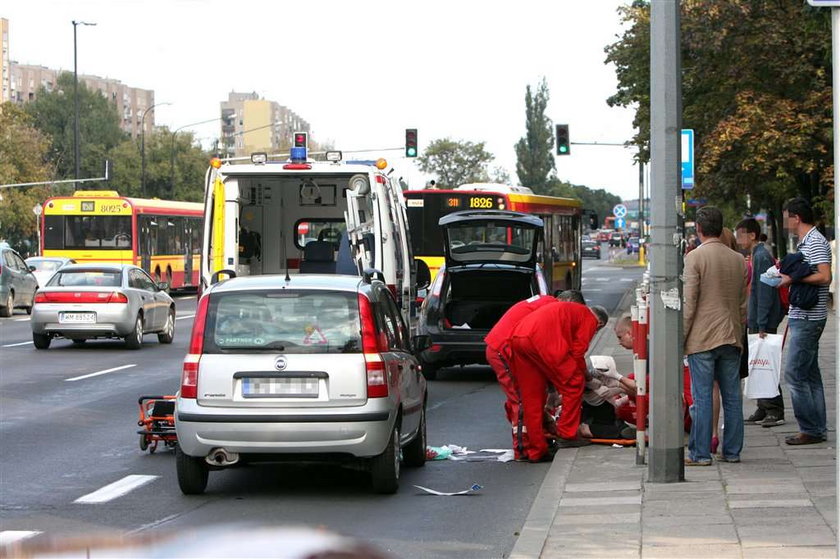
(531,540)
(534,533)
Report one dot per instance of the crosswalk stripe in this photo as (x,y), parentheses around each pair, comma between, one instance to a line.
(8,537)
(97,373)
(184,316)
(18,344)
(116,489)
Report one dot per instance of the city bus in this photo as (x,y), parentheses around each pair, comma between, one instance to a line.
(560,255)
(163,237)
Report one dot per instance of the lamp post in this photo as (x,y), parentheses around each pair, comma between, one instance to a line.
(172,150)
(143,147)
(76,133)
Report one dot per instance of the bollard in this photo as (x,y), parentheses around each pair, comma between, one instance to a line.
(640,372)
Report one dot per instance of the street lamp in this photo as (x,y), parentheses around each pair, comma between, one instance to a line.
(172,150)
(143,147)
(76,134)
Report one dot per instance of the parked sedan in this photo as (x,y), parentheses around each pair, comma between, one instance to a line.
(45,266)
(633,244)
(17,283)
(590,249)
(84,301)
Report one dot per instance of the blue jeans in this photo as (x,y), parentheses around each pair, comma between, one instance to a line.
(802,373)
(720,364)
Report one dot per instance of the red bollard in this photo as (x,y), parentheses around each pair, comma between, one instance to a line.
(640,343)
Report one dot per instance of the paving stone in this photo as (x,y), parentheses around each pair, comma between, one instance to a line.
(649,520)
(762,453)
(602,494)
(599,501)
(811,552)
(763,488)
(816,473)
(718,551)
(769,503)
(826,488)
(608,486)
(600,509)
(598,519)
(684,487)
(689,534)
(699,497)
(800,516)
(785,535)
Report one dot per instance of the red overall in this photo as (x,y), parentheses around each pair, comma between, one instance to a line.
(498,357)
(549,345)
(627,411)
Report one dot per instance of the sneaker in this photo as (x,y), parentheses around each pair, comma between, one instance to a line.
(572,443)
(757,417)
(690,462)
(772,420)
(722,458)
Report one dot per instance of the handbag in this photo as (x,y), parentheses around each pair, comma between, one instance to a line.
(764,365)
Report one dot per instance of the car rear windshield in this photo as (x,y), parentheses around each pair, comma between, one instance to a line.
(86,278)
(45,265)
(480,241)
(285,321)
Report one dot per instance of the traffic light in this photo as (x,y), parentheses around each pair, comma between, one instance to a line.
(411,142)
(564,146)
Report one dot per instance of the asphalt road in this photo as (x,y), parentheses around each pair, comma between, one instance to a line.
(64,437)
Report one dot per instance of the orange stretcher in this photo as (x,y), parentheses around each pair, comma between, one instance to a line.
(157,419)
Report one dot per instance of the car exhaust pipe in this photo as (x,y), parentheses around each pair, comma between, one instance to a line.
(222,457)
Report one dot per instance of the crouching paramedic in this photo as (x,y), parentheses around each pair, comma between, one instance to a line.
(549,346)
(498,357)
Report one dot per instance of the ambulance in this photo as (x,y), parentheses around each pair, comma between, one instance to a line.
(290,214)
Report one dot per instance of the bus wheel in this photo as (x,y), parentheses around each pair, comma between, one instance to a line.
(157,275)
(168,275)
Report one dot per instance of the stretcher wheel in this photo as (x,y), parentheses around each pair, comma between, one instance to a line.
(144,443)
(153,447)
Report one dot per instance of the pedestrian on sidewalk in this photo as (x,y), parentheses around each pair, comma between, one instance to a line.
(549,346)
(802,370)
(764,312)
(714,318)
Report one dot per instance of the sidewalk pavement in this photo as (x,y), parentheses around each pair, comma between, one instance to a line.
(780,501)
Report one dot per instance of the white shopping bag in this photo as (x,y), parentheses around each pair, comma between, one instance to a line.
(765,366)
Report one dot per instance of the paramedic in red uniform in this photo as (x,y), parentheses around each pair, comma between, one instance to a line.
(549,346)
(498,357)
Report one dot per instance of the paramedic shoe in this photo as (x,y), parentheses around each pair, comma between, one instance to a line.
(772,420)
(573,443)
(757,417)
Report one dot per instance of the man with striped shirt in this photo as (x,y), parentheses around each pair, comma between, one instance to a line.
(802,370)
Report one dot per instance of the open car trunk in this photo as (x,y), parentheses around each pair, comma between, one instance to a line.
(478,297)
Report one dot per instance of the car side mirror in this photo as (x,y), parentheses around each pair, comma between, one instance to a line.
(421,343)
(423,276)
(163,286)
(31,268)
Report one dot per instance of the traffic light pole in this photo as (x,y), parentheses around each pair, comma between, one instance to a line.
(666,338)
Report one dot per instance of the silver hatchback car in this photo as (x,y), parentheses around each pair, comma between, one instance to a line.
(311,368)
(83,301)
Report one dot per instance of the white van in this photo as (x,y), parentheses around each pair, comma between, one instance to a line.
(299,216)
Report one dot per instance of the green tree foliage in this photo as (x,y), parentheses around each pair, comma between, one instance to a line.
(756,90)
(454,162)
(600,201)
(23,158)
(175,167)
(534,157)
(53,113)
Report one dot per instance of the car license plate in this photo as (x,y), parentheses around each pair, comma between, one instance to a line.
(270,387)
(77,318)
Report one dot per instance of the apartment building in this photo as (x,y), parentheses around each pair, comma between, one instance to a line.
(251,124)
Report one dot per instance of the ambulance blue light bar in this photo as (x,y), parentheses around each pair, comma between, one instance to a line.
(298,151)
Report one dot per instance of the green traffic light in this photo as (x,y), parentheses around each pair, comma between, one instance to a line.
(564,149)
(411,152)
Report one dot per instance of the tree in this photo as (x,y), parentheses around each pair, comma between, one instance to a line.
(756,90)
(454,162)
(534,157)
(53,113)
(23,158)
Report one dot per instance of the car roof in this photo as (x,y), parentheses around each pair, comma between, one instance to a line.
(56,258)
(331,282)
(98,266)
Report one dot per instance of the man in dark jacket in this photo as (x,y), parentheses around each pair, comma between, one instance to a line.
(764,312)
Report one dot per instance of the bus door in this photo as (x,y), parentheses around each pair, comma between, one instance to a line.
(147,245)
(187,245)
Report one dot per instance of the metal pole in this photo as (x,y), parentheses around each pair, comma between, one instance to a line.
(666,340)
(835,94)
(143,154)
(76,134)
(641,212)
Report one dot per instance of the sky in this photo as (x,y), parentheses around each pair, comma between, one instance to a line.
(360,72)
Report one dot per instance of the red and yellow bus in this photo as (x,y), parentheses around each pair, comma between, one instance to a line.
(562,218)
(161,236)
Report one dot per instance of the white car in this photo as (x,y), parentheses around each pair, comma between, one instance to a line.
(43,267)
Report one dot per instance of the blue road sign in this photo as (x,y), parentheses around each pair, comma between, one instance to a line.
(620,210)
(687,151)
(620,222)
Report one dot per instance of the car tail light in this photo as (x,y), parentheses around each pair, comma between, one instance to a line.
(372,346)
(189,376)
(80,297)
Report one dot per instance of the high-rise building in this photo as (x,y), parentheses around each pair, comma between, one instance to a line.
(26,80)
(5,70)
(251,124)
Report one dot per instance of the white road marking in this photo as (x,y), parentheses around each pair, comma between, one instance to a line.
(184,316)
(591,290)
(184,297)
(627,279)
(97,373)
(22,319)
(17,344)
(116,489)
(602,279)
(8,537)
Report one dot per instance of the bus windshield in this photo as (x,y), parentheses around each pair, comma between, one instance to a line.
(79,232)
(424,210)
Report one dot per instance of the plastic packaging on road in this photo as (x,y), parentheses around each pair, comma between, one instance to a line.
(461,453)
(475,487)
